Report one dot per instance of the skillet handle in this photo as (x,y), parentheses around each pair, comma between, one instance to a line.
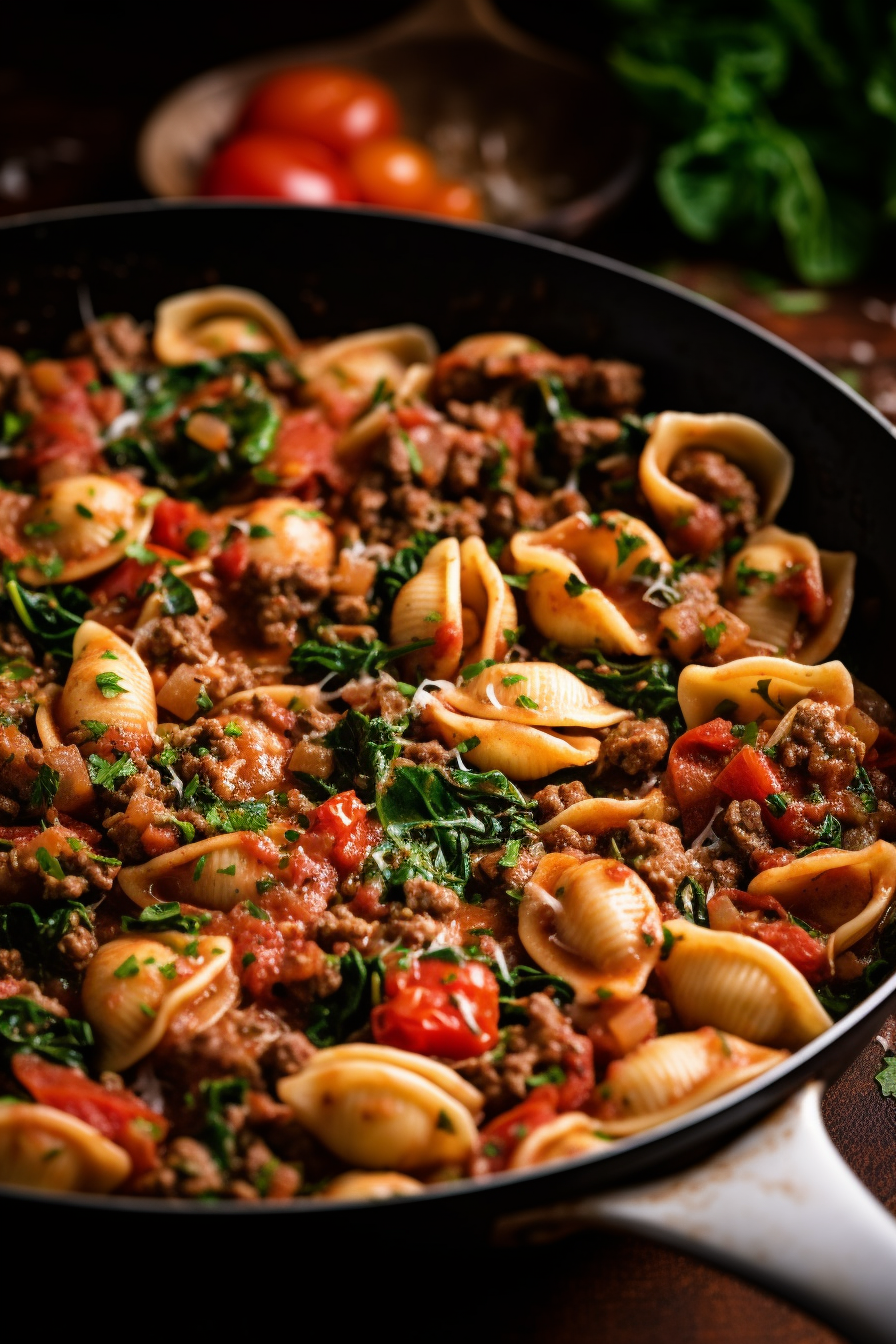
(779,1205)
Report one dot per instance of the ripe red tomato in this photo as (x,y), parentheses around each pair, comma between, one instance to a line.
(437,1007)
(694,761)
(396,172)
(231,563)
(501,1136)
(454,200)
(344,817)
(126,578)
(340,108)
(174,521)
(120,1116)
(260,163)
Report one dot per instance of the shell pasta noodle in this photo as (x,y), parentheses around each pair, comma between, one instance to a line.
(414,764)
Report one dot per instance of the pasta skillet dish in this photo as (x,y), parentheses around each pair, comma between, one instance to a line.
(414,765)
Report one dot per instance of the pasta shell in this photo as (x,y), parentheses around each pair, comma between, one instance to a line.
(593,922)
(513,748)
(583,588)
(413,385)
(487,602)
(440,1075)
(371,1185)
(380,1111)
(570,1135)
(107,683)
(561,699)
(597,816)
(843,892)
(495,345)
(428,606)
(743,441)
(46,1149)
(213,874)
(738,984)
(828,580)
(281,533)
(84,522)
(296,698)
(131,1004)
(365,358)
(671,1075)
(738,690)
(221,320)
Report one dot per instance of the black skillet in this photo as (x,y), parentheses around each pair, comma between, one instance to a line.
(336,271)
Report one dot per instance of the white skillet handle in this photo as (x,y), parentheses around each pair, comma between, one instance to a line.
(779,1205)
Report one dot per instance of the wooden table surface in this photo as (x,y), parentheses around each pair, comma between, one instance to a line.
(66,138)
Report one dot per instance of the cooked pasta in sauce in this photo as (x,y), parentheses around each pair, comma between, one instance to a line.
(414,766)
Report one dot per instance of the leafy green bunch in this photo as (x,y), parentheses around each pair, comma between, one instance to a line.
(771,115)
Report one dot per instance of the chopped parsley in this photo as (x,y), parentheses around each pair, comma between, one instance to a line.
(108,774)
(110,685)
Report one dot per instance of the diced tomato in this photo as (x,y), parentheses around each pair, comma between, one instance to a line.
(119,1115)
(21,834)
(174,520)
(749,774)
(411,417)
(438,1007)
(127,578)
(883,753)
(577,1062)
(695,760)
(804,585)
(344,817)
(231,563)
(502,1135)
(305,451)
(159,840)
(808,954)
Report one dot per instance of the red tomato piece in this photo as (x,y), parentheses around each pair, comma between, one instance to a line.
(397,172)
(340,108)
(127,578)
(231,563)
(454,200)
(344,818)
(749,774)
(174,521)
(305,450)
(502,1135)
(119,1116)
(695,760)
(261,164)
(436,1007)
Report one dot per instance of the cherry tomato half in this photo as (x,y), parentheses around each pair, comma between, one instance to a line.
(395,172)
(437,1007)
(340,108)
(263,164)
(454,200)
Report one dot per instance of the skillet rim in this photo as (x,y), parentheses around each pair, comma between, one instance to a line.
(527,1187)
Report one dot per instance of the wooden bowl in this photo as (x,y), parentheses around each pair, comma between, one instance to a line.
(545,138)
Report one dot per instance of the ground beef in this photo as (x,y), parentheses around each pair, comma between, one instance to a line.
(116,343)
(745,829)
(277,597)
(78,945)
(575,438)
(351,609)
(339,929)
(425,753)
(12,964)
(567,840)
(817,742)
(419,510)
(634,746)
(655,850)
(232,1048)
(714,867)
(710,476)
(545,1041)
(23,879)
(555,798)
(182,639)
(377,697)
(486,866)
